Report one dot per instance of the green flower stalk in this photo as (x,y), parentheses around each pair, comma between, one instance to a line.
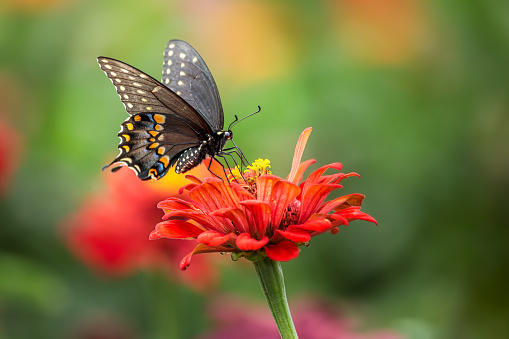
(270,276)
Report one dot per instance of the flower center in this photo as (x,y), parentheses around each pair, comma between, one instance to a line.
(253,171)
(291,214)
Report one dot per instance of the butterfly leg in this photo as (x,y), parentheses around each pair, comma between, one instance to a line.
(239,152)
(230,153)
(223,156)
(243,159)
(208,168)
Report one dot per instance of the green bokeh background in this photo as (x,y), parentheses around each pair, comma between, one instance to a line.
(412,95)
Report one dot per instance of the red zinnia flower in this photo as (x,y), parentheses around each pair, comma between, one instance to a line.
(260,214)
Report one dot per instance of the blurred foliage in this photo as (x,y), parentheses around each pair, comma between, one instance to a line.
(410,94)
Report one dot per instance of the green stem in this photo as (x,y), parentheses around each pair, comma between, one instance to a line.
(270,276)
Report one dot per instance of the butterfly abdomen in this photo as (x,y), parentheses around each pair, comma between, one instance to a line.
(190,158)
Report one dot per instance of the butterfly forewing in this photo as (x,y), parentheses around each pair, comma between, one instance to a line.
(187,75)
(161,124)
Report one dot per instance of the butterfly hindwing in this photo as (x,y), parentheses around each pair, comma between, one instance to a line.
(187,75)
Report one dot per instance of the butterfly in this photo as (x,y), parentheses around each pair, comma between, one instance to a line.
(178,121)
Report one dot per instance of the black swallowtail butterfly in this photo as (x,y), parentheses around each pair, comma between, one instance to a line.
(178,121)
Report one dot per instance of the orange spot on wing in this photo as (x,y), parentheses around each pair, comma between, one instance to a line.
(159,118)
(165,160)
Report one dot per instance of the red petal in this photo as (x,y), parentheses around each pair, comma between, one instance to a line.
(213,238)
(354,213)
(187,187)
(264,185)
(315,177)
(214,195)
(171,204)
(201,248)
(194,179)
(278,194)
(258,215)
(312,198)
(346,201)
(295,234)
(237,217)
(316,225)
(154,235)
(338,220)
(284,251)
(297,156)
(186,261)
(176,229)
(302,168)
(201,218)
(241,192)
(246,243)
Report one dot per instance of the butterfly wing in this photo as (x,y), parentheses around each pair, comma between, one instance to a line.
(161,124)
(186,74)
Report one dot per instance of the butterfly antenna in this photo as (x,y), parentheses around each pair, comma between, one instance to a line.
(236,121)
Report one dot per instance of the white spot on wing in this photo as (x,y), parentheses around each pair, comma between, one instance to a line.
(180,83)
(195,59)
(170,53)
(182,73)
(167,80)
(182,55)
(171,45)
(124,70)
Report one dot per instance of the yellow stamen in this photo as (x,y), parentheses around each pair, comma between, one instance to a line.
(259,166)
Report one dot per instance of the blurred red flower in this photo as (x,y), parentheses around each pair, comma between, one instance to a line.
(313,318)
(10,148)
(109,232)
(261,215)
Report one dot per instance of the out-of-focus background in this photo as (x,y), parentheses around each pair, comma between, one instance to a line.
(411,94)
